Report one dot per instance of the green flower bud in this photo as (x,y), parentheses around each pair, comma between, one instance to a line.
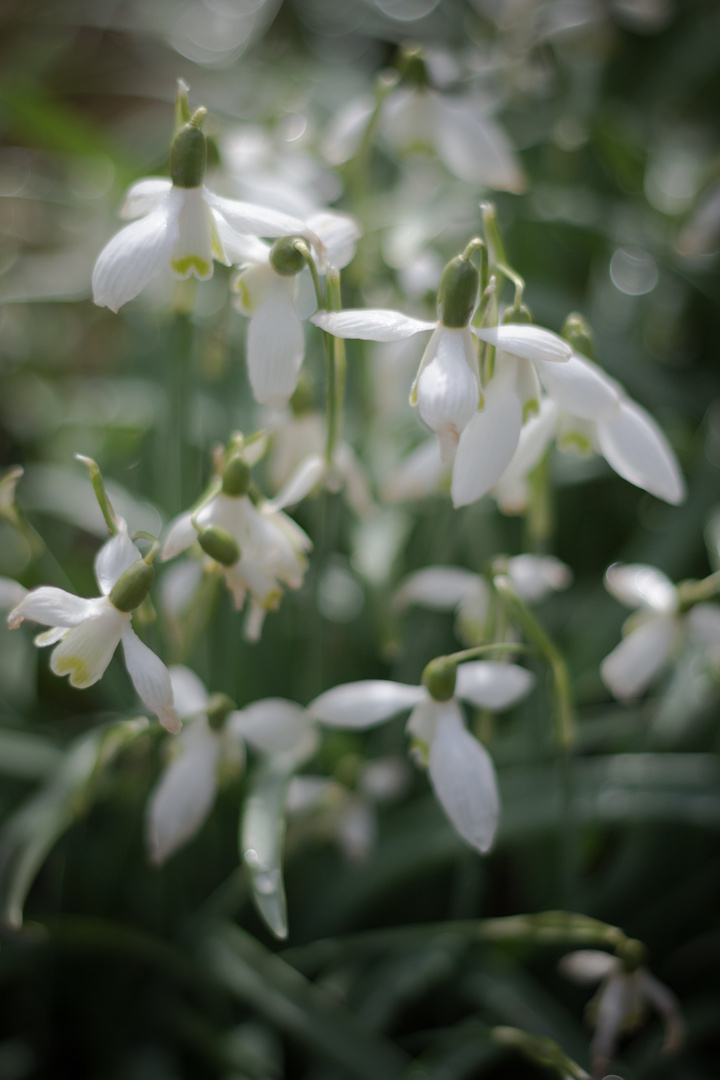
(439,678)
(236,477)
(188,154)
(457,295)
(412,67)
(632,954)
(520,315)
(577,332)
(219,545)
(218,708)
(285,257)
(132,586)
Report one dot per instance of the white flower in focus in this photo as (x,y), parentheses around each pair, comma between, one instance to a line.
(621,1003)
(459,767)
(87,632)
(210,744)
(182,226)
(275,340)
(654,633)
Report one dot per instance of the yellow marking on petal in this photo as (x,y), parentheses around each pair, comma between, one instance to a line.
(217,248)
(244,293)
(78,669)
(192,264)
(272,600)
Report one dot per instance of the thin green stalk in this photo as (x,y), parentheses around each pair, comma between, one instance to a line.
(358,166)
(174,492)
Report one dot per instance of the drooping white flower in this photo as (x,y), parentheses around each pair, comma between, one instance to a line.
(87,632)
(621,1002)
(459,767)
(212,741)
(654,633)
(182,226)
(269,296)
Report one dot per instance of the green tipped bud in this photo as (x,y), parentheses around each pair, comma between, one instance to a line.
(412,67)
(578,334)
(519,315)
(457,295)
(218,708)
(632,954)
(219,545)
(439,678)
(286,257)
(188,153)
(132,586)
(236,477)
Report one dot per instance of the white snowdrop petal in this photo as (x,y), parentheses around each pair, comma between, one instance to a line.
(339,233)
(52,607)
(238,247)
(135,255)
(363,704)
(370,324)
(351,473)
(703,622)
(486,447)
(632,665)
(115,557)
(511,489)
(247,217)
(535,576)
(588,965)
(275,346)
(447,387)
(85,652)
(305,478)
(463,777)
(636,448)
(150,678)
(639,585)
(252,286)
(528,342)
(440,588)
(421,474)
(473,146)
(189,692)
(185,792)
(11,593)
(181,535)
(492,684)
(272,725)
(579,387)
(144,196)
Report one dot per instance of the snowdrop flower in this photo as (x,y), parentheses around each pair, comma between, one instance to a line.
(459,767)
(87,632)
(258,547)
(654,633)
(210,744)
(267,292)
(621,1002)
(182,226)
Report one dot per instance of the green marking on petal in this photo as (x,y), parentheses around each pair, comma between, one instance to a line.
(530,408)
(272,600)
(578,443)
(217,248)
(192,264)
(244,293)
(78,669)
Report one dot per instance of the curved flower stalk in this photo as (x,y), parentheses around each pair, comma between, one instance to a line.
(182,226)
(460,769)
(210,746)
(654,633)
(257,547)
(87,632)
(267,292)
(621,1002)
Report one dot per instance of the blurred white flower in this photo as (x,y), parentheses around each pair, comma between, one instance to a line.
(621,1003)
(87,632)
(459,767)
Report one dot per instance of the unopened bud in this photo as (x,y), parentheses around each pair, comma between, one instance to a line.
(286,258)
(412,67)
(519,315)
(132,586)
(218,708)
(457,295)
(633,953)
(578,334)
(219,545)
(188,154)
(439,678)
(236,477)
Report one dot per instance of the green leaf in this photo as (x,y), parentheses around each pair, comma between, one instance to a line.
(27,756)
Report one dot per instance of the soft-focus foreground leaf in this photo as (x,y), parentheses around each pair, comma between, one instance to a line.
(284,997)
(540,1049)
(31,832)
(29,757)
(262,834)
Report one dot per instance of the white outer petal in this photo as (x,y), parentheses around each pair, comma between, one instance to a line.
(181,535)
(492,684)
(447,386)
(473,146)
(188,689)
(12,593)
(363,704)
(339,233)
(150,678)
(632,665)
(144,196)
(440,588)
(588,965)
(487,444)
(371,324)
(639,585)
(53,607)
(419,475)
(115,557)
(136,254)
(535,437)
(535,576)
(528,342)
(86,650)
(636,448)
(463,777)
(703,623)
(303,480)
(272,725)
(257,220)
(579,387)
(275,345)
(238,247)
(185,792)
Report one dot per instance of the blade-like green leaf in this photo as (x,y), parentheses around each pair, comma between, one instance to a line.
(262,835)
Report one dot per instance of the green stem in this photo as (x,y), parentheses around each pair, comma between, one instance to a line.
(174,483)
(96,478)
(481,650)
(336,388)
(357,177)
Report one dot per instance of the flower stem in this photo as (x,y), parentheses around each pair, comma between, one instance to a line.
(174,482)
(358,166)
